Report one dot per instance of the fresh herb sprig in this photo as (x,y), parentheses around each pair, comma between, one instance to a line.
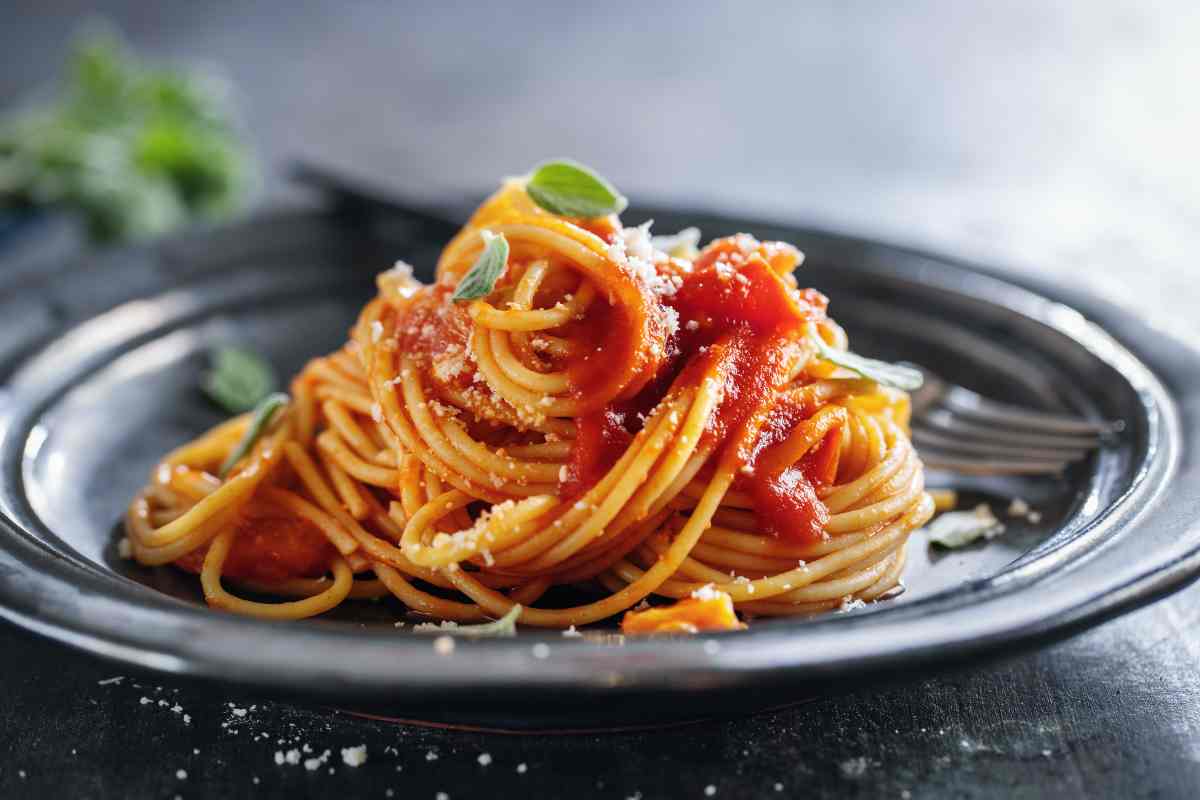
(570,189)
(684,244)
(505,626)
(481,278)
(260,423)
(956,529)
(897,376)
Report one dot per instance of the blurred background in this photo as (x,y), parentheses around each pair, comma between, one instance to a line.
(1052,136)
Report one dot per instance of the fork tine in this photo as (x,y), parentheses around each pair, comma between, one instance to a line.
(940,460)
(958,430)
(927,438)
(959,427)
(976,406)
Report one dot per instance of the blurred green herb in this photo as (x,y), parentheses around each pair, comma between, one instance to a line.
(259,424)
(239,379)
(137,149)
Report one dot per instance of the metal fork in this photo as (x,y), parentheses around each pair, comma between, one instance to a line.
(954,428)
(958,430)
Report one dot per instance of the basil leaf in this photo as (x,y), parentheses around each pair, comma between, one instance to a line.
(258,426)
(239,379)
(894,375)
(505,626)
(960,528)
(482,276)
(572,190)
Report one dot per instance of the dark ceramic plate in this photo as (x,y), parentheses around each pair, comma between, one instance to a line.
(101,361)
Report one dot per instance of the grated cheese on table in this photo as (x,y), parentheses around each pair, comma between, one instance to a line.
(354,756)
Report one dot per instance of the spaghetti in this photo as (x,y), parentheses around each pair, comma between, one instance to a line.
(606,416)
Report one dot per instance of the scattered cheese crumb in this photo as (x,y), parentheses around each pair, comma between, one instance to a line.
(572,632)
(541,650)
(851,603)
(431,756)
(354,756)
(239,712)
(521,768)
(710,790)
(484,759)
(181,774)
(279,757)
(108,681)
(1019,508)
(441,796)
(292,756)
(145,701)
(707,592)
(443,645)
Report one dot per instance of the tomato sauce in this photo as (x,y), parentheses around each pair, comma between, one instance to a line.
(601,438)
(271,548)
(738,314)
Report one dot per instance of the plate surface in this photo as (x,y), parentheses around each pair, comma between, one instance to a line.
(101,363)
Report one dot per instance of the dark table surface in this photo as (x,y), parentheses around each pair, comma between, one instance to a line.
(1057,137)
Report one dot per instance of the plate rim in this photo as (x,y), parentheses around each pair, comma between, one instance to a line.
(765,652)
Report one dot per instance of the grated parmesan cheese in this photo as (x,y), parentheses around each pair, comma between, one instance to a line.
(851,603)
(354,756)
